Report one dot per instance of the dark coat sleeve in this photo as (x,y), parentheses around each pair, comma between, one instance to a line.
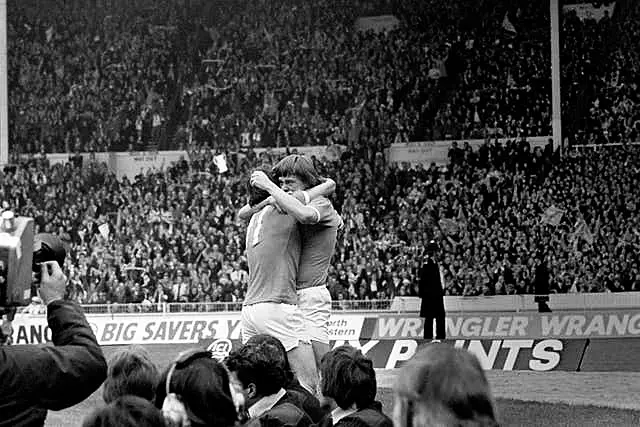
(59,376)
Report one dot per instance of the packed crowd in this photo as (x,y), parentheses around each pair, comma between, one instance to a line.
(599,72)
(173,235)
(83,80)
(290,73)
(302,75)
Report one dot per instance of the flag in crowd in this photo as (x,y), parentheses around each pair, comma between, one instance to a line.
(553,215)
(508,27)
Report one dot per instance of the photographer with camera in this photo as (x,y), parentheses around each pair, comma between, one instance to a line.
(35,379)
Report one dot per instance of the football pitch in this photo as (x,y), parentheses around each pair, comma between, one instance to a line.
(522,398)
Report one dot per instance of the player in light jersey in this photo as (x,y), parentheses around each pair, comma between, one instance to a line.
(320,225)
(273,245)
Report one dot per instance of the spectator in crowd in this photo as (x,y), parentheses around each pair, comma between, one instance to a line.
(195,390)
(256,372)
(443,386)
(431,294)
(126,411)
(131,372)
(38,379)
(308,402)
(348,378)
(541,283)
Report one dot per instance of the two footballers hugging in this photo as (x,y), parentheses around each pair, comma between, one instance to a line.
(290,240)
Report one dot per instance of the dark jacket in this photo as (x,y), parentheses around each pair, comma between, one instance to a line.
(430,288)
(307,401)
(286,412)
(371,416)
(34,379)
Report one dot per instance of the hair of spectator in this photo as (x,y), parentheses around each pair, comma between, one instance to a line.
(126,411)
(258,365)
(203,387)
(257,195)
(348,377)
(299,166)
(131,372)
(445,386)
(279,353)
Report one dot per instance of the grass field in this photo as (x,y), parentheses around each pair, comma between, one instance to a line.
(522,398)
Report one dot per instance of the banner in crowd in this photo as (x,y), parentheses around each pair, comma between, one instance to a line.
(427,152)
(377,24)
(130,164)
(589,10)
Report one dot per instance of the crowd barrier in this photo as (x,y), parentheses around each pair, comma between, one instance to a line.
(518,303)
(453,304)
(345,305)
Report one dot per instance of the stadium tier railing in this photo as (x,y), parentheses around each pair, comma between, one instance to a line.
(453,304)
(117,308)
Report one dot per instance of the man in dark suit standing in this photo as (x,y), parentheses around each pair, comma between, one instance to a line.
(541,283)
(432,295)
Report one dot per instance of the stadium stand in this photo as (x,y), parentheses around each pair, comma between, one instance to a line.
(291,74)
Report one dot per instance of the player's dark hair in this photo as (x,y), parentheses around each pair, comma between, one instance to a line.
(257,195)
(258,364)
(299,166)
(445,386)
(348,377)
(131,372)
(126,411)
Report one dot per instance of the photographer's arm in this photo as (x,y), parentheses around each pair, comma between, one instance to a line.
(61,376)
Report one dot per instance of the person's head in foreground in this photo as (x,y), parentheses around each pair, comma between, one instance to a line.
(443,386)
(131,372)
(348,377)
(255,370)
(276,351)
(194,391)
(296,173)
(126,411)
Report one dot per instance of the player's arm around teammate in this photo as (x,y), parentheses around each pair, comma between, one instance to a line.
(303,213)
(325,188)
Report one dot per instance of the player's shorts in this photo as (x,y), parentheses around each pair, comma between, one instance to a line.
(283,321)
(315,305)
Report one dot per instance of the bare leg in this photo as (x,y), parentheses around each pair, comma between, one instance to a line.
(302,361)
(319,350)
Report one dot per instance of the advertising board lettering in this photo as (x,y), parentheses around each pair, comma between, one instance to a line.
(127,329)
(508,325)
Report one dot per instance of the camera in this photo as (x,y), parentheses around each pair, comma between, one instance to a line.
(21,257)
(16,259)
